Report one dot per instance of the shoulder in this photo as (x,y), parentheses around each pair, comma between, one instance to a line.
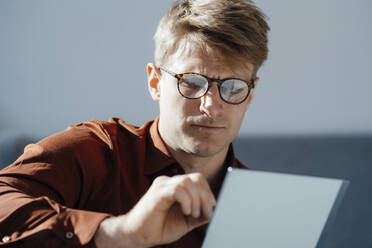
(241,165)
(78,140)
(89,133)
(94,133)
(127,128)
(93,141)
(85,139)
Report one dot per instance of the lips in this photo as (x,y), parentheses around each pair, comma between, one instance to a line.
(208,126)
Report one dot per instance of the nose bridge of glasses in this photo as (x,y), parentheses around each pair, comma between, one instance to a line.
(211,101)
(215,80)
(213,90)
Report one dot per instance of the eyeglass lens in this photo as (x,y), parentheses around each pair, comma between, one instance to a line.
(195,86)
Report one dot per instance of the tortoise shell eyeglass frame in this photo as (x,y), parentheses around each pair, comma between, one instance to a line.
(209,80)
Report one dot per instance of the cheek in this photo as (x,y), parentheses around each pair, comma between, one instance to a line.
(172,104)
(168,97)
(180,106)
(237,116)
(190,107)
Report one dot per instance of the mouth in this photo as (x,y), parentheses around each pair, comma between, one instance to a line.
(208,127)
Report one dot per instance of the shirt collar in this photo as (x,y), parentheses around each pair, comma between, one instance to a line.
(157,155)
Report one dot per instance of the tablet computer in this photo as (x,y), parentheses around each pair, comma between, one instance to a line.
(259,209)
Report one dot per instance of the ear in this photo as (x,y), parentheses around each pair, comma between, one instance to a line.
(250,97)
(153,81)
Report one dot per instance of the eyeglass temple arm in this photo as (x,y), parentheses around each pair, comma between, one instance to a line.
(252,83)
(169,72)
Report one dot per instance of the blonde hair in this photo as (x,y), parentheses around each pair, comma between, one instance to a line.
(236,30)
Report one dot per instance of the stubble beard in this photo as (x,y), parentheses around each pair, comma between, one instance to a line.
(202,145)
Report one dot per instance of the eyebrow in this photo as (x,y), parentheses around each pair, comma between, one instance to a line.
(215,79)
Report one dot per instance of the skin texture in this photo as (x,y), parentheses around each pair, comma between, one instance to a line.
(197,133)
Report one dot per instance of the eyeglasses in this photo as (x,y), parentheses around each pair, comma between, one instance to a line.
(194,85)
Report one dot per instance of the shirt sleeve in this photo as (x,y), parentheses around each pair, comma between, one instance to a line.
(45,195)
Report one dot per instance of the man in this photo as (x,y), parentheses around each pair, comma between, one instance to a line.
(111,184)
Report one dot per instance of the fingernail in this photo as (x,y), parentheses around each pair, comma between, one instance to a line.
(197,213)
(188,211)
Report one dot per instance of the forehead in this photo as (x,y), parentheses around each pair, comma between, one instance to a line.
(210,63)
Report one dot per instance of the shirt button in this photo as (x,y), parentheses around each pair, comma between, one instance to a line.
(69,235)
(6,239)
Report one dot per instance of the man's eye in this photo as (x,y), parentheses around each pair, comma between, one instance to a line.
(193,85)
(237,91)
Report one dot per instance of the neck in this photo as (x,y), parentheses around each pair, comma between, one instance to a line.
(210,167)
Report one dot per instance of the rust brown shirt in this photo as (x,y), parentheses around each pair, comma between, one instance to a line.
(57,193)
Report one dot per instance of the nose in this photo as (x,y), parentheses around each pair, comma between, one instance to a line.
(211,104)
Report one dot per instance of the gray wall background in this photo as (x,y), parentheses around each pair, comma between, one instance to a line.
(62,62)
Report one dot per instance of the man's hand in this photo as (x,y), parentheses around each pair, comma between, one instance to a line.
(171,207)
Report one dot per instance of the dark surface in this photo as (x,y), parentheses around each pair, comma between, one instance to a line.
(336,157)
(11,147)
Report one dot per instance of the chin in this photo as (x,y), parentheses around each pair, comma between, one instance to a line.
(204,145)
(205,150)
